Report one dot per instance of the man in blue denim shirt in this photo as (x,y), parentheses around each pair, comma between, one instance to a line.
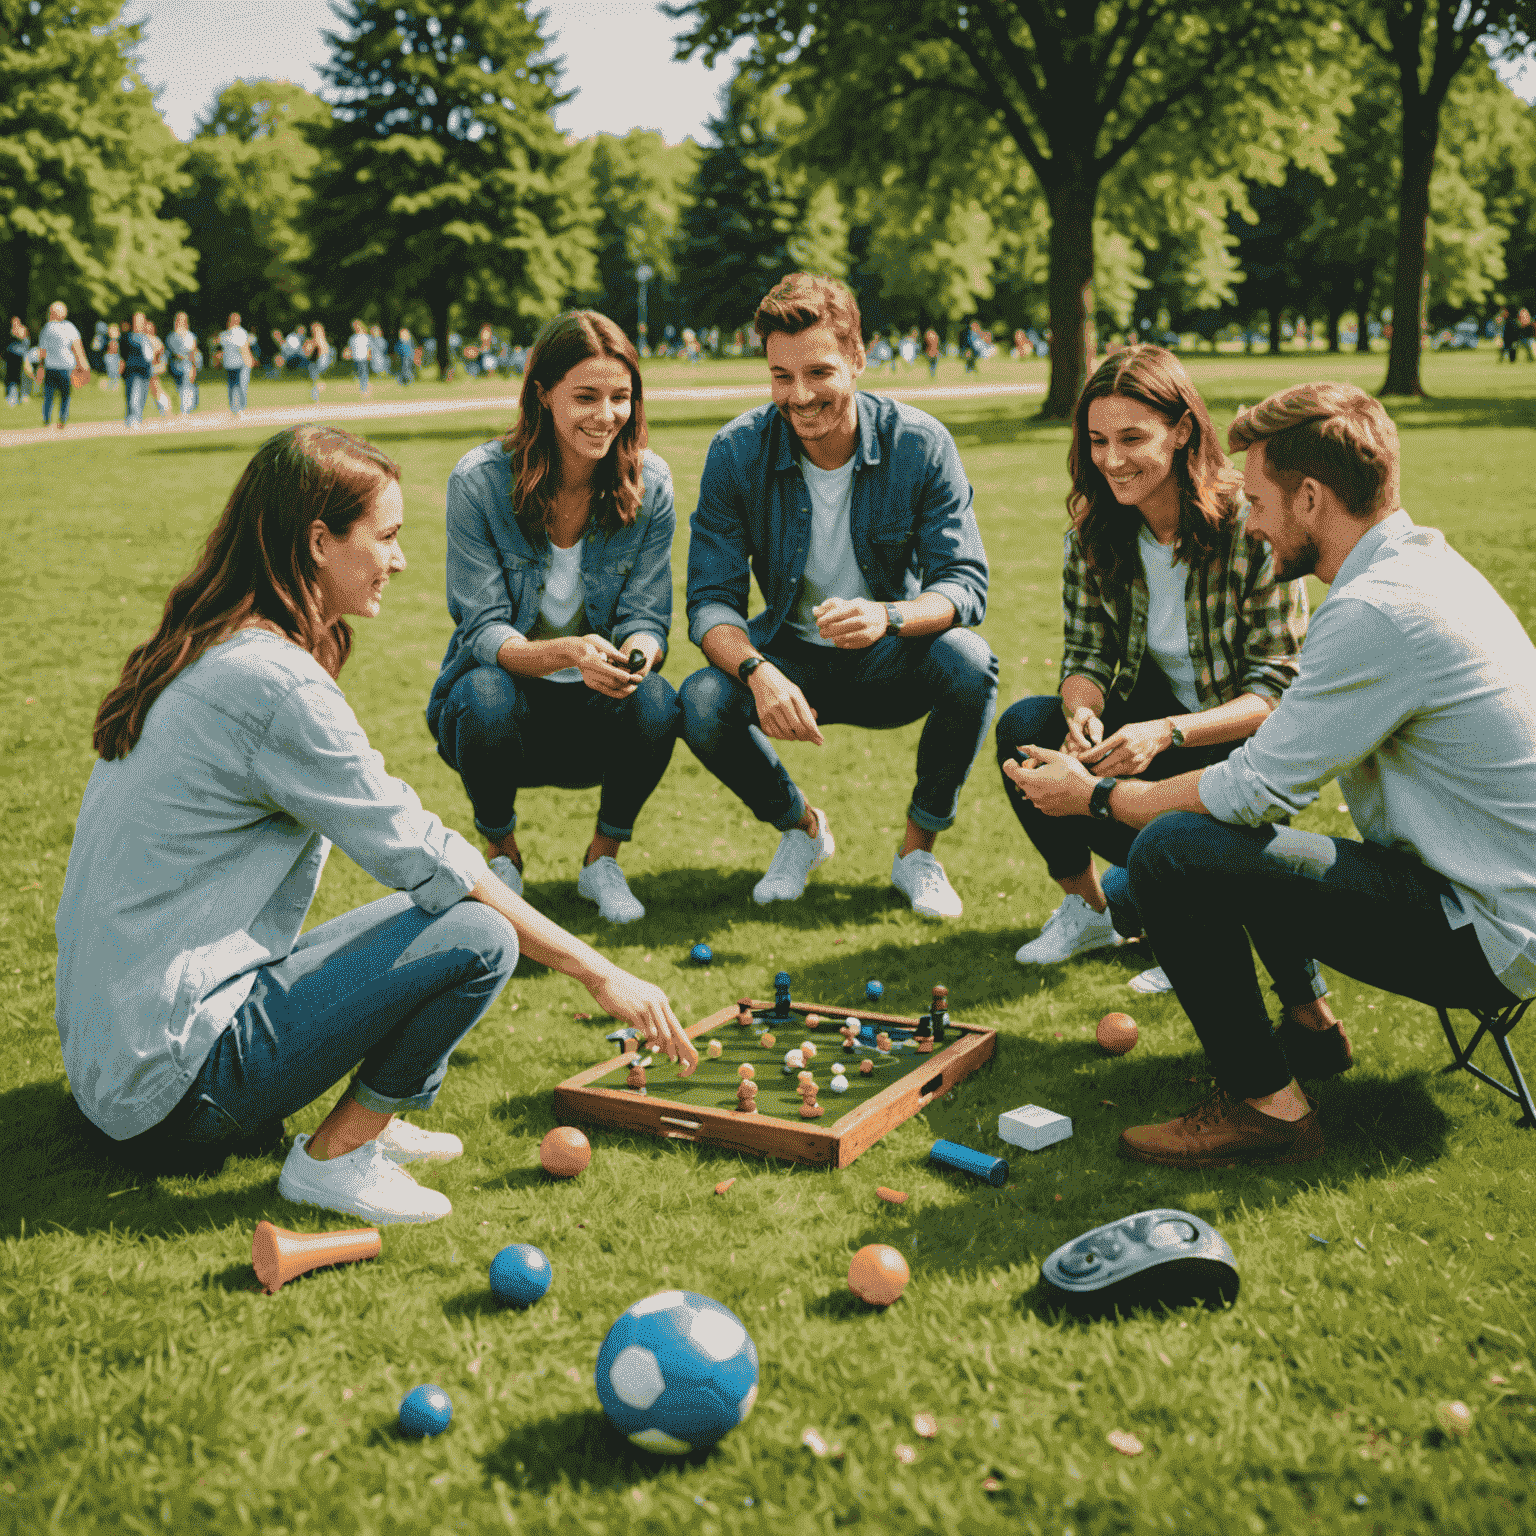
(855,515)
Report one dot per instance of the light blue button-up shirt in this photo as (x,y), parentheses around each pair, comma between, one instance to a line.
(196,858)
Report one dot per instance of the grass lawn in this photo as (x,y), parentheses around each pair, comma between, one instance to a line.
(148,1385)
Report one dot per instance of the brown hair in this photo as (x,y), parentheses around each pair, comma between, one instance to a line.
(618,486)
(1335,434)
(256,563)
(1208,484)
(801,300)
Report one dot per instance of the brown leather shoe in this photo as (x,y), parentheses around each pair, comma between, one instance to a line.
(1315,1053)
(1220,1132)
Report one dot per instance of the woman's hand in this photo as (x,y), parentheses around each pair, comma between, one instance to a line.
(1052,782)
(603,668)
(1084,732)
(644,1006)
(1130,749)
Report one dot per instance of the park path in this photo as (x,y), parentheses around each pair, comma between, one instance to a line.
(376,410)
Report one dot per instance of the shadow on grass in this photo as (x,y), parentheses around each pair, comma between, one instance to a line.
(580,1449)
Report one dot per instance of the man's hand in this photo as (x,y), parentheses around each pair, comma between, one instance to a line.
(850,623)
(644,1005)
(1052,782)
(603,668)
(782,710)
(1084,732)
(1127,753)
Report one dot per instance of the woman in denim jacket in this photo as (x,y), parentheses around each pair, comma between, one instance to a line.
(560,584)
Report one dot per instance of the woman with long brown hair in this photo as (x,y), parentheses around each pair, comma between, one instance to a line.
(1179,639)
(191,1012)
(560,584)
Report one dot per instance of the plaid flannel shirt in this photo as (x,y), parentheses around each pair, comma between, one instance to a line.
(1245,628)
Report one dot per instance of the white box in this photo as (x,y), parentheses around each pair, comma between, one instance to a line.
(1032,1127)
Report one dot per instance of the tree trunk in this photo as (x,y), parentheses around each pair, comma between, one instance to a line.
(1068,286)
(1335,310)
(1365,287)
(21,280)
(1421,132)
(437,302)
(1276,315)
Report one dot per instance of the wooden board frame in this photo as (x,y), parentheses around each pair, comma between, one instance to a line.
(584,1100)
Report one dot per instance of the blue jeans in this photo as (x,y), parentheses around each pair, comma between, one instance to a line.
(361,369)
(184,385)
(501,733)
(950,677)
(134,398)
(56,382)
(1204,888)
(238,381)
(386,985)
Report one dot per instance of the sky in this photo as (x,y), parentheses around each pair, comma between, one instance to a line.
(617,52)
(618,55)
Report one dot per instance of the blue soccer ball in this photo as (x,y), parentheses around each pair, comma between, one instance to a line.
(701,954)
(676,1372)
(874,990)
(425,1411)
(520,1274)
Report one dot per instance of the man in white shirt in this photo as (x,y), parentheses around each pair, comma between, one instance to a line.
(63,352)
(1418,693)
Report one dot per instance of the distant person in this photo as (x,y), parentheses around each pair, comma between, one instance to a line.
(360,354)
(405,356)
(193,1011)
(275,356)
(931,350)
(15,360)
(157,370)
(180,349)
(1527,337)
(140,350)
(317,355)
(908,349)
(112,359)
(63,352)
(378,350)
(235,349)
(559,571)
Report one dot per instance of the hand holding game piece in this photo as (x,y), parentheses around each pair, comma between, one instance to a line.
(878,1275)
(636,660)
(564,1152)
(604,668)
(644,1005)
(1117,1033)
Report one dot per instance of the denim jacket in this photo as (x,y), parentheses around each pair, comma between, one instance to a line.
(914,528)
(496,577)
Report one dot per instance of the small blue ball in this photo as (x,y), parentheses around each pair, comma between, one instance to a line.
(701,954)
(874,990)
(425,1411)
(520,1274)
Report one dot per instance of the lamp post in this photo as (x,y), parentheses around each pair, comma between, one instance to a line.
(643,276)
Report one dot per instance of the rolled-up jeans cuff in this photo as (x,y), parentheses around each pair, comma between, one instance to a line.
(927,820)
(618,834)
(497,833)
(1295,996)
(381,1105)
(795,814)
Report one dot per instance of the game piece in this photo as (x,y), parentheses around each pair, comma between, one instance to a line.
(425,1411)
(793,1061)
(1454,1418)
(278,1255)
(744,1013)
(866,1067)
(838,1085)
(746,1097)
(564,1152)
(636,660)
(623,1038)
(856,1025)
(938,1016)
(1032,1127)
(676,1371)
(781,1000)
(1158,1258)
(520,1274)
(636,1077)
(810,1109)
(924,1037)
(891,1196)
(1116,1033)
(808,1049)
(724,1185)
(714,1048)
(767,1041)
(701,954)
(883,1043)
(981,1165)
(878,1275)
(813,1021)
(874,991)
(746,1069)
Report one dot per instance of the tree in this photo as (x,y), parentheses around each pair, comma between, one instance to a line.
(1077,88)
(1427,43)
(85,162)
(250,164)
(445,178)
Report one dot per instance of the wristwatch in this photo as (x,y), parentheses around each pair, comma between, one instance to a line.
(1098,801)
(892,620)
(1178,735)
(748,666)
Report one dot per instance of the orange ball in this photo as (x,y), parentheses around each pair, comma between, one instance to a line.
(1116,1033)
(878,1275)
(565,1152)
(767,1042)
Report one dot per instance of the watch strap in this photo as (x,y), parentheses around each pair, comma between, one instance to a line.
(1178,735)
(1098,801)
(748,665)
(892,619)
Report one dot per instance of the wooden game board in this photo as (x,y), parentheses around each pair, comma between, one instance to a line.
(702,1108)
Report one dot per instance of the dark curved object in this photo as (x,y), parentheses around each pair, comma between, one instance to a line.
(1158,1258)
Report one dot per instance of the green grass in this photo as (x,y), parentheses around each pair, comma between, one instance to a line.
(147,1386)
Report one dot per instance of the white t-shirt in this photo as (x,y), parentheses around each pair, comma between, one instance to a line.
(1167,627)
(831,568)
(57,339)
(358,349)
(232,342)
(561,612)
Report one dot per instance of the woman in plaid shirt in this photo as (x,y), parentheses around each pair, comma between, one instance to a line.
(1179,640)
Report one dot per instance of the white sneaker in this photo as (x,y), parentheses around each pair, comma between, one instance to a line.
(407,1143)
(362,1183)
(921,879)
(1150,983)
(508,873)
(603,881)
(797,855)
(1074,928)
